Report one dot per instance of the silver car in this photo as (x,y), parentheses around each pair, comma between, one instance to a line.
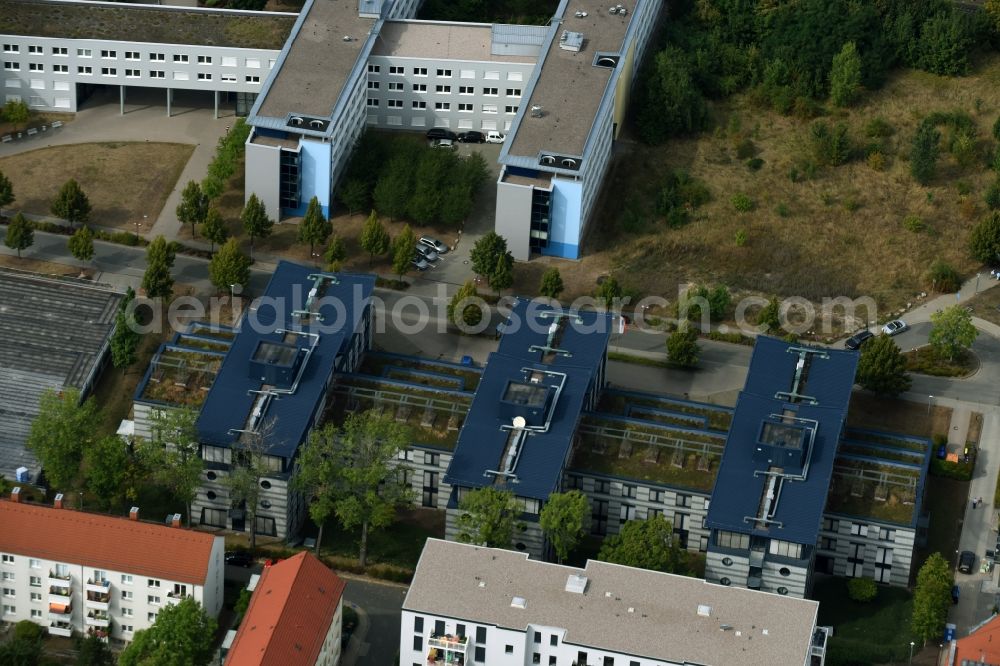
(894,327)
(427,253)
(419,263)
(433,243)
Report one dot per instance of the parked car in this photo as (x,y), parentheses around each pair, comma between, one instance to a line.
(239,558)
(858,339)
(443,143)
(426,252)
(419,262)
(433,243)
(955,592)
(894,327)
(967,562)
(494,137)
(440,133)
(472,137)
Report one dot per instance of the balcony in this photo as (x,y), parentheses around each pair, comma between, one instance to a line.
(447,649)
(61,629)
(57,580)
(100,633)
(98,601)
(97,619)
(57,608)
(60,595)
(99,586)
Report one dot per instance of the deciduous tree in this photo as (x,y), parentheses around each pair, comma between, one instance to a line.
(193,206)
(255,221)
(464,308)
(924,153)
(984,241)
(213,228)
(770,316)
(502,275)
(105,470)
(229,266)
(931,598)
(62,431)
(314,228)
(403,248)
(609,292)
(124,340)
(16,111)
(91,650)
(489,517)
(20,234)
(485,251)
(81,244)
(6,191)
(157,281)
(882,368)
(335,253)
(354,195)
(374,238)
(845,76)
(394,188)
(349,472)
(552,284)
(172,454)
(182,635)
(71,204)
(249,466)
(647,544)
(682,346)
(952,331)
(562,520)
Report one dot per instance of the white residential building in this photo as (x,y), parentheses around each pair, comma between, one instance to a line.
(76,572)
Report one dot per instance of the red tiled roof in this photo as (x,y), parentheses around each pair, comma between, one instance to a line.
(979,646)
(289,614)
(105,542)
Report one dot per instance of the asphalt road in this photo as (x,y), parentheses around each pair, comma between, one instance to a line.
(382,602)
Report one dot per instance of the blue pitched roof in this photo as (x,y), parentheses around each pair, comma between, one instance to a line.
(738,491)
(230,402)
(583,340)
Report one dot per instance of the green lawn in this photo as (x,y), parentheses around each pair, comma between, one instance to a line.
(876,632)
(399,544)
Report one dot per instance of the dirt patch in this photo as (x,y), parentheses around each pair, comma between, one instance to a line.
(37,266)
(839,233)
(124,181)
(897,416)
(975,428)
(36,120)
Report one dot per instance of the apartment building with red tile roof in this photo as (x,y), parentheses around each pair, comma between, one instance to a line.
(73,571)
(981,646)
(294,617)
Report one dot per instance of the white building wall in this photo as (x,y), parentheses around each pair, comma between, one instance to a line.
(329,654)
(47,79)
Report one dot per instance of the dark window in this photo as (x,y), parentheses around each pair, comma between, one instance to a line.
(430,489)
(552,660)
(782,590)
(418,624)
(460,630)
(418,643)
(439,627)
(581,657)
(553,640)
(725,581)
(609,661)
(210,495)
(536,658)
(785,571)
(480,654)
(211,476)
(480,634)
(633,663)
(538,637)
(265,484)
(508,649)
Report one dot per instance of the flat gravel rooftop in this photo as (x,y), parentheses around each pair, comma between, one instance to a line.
(440,41)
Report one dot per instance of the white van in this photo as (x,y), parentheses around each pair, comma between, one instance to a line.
(494,137)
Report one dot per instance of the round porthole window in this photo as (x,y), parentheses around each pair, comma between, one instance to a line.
(264,504)
(785,571)
(211,476)
(521,546)
(728,561)
(782,590)
(265,484)
(725,581)
(210,495)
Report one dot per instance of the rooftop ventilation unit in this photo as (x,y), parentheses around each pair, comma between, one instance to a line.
(607,61)
(580,14)
(571,41)
(536,111)
(296,121)
(704,610)
(518,602)
(346,38)
(619,10)
(316,124)
(576,583)
(569,163)
(548,159)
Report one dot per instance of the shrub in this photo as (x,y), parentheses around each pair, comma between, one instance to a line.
(878,128)
(914,224)
(742,203)
(830,146)
(745,149)
(740,238)
(851,204)
(992,196)
(782,210)
(26,630)
(862,590)
(754,164)
(962,471)
(806,108)
(678,195)
(963,187)
(942,277)
(876,162)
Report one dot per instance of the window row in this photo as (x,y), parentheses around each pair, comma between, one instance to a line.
(374,103)
(399,70)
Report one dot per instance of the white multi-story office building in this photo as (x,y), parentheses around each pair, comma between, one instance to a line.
(472,605)
(56,53)
(76,572)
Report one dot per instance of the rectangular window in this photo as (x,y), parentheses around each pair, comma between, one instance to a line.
(7,559)
(536,658)
(204,60)
(131,55)
(152,600)
(11,48)
(480,635)
(253,79)
(480,654)
(885,534)
(35,581)
(682,500)
(513,92)
(109,71)
(465,107)
(8,575)
(158,57)
(12,83)
(508,649)
(489,108)
(181,57)
(227,78)
(131,73)
(396,86)
(373,85)
(418,643)
(439,628)
(419,71)
(151,617)
(108,54)
(859,529)
(628,491)
(372,103)
(373,69)
(395,70)
(33,48)
(36,614)
(60,51)
(732,539)
(491,92)
(127,612)
(36,596)
(442,89)
(538,637)
(627,512)
(9,592)
(36,67)
(785,548)
(444,73)
(204,76)
(419,87)
(37,84)
(127,595)
(157,74)
(826,543)
(466,90)
(12,66)
(395,103)
(126,628)
(35,564)
(60,69)
(467,74)
(152,582)
(9,609)
(84,53)
(417,104)
(442,106)
(418,623)
(515,76)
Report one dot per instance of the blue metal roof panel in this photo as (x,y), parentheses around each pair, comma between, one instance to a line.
(229,401)
(738,490)
(481,442)
(585,335)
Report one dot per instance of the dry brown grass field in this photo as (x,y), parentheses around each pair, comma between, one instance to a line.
(839,233)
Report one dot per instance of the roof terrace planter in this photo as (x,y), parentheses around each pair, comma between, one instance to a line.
(867,489)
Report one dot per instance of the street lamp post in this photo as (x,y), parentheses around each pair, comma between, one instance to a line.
(912,643)
(930,400)
(232,302)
